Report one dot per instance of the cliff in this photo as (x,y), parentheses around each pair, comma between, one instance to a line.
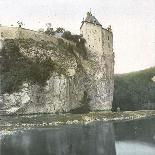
(46,76)
(135,91)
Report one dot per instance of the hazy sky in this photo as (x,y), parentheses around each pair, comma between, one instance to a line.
(133,24)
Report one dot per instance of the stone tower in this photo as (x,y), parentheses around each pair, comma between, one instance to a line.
(99,42)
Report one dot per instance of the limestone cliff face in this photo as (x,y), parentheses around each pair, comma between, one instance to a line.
(59,95)
(71,82)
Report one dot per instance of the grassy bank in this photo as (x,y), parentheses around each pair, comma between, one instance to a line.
(47,120)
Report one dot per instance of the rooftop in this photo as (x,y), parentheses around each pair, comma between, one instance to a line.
(91,19)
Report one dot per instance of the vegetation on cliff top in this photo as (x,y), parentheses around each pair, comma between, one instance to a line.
(16,68)
(79,41)
(135,91)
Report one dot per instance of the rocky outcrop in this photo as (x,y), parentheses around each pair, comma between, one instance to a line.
(73,81)
(60,94)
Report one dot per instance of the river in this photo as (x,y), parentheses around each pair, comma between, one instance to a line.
(98,138)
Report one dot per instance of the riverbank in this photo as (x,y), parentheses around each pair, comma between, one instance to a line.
(49,120)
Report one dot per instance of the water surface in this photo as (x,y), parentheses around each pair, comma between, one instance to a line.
(98,138)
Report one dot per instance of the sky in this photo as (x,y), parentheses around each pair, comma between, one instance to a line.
(132,21)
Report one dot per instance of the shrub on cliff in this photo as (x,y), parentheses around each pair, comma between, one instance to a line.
(50,32)
(67,35)
(60,30)
(80,43)
(16,68)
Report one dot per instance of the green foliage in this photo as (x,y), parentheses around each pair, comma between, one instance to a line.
(80,43)
(16,68)
(67,49)
(26,44)
(30,43)
(75,38)
(67,35)
(81,49)
(60,30)
(135,91)
(50,32)
(60,42)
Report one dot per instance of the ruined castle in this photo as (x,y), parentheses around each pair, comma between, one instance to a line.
(100,41)
(86,81)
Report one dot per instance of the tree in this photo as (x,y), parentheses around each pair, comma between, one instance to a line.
(60,30)
(50,31)
(48,25)
(20,24)
(67,35)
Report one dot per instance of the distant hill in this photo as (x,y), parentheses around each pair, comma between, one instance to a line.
(135,91)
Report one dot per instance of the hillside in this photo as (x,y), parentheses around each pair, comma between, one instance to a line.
(135,91)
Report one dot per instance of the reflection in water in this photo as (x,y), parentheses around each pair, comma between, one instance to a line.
(141,130)
(94,139)
(135,137)
(134,148)
(130,138)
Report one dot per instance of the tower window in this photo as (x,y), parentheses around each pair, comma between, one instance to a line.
(99,39)
(108,37)
(108,45)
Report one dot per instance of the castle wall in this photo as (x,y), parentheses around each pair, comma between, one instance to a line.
(8,32)
(93,35)
(21,33)
(38,36)
(107,41)
(107,45)
(99,41)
